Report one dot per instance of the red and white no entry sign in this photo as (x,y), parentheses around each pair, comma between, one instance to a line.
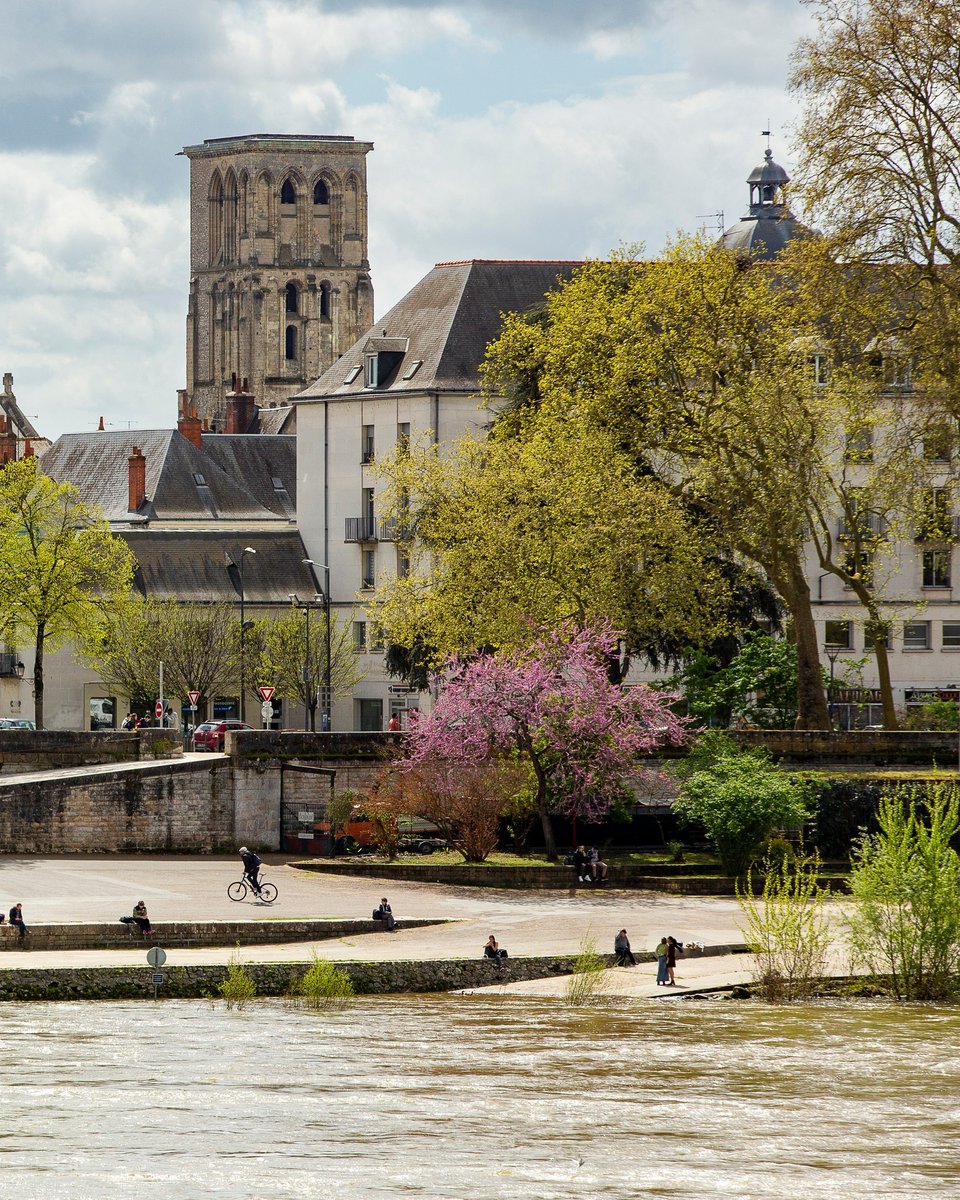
(158,709)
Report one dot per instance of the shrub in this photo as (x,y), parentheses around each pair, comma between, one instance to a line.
(590,981)
(785,926)
(238,987)
(325,985)
(740,800)
(905,883)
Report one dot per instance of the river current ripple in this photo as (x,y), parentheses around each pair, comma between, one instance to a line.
(474,1097)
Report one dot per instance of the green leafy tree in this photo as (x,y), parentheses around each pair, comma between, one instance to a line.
(198,644)
(785,927)
(905,882)
(502,534)
(61,569)
(759,685)
(283,657)
(740,800)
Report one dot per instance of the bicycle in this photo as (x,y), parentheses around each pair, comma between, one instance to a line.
(238,891)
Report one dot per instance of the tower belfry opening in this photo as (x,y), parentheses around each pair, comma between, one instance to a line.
(279,275)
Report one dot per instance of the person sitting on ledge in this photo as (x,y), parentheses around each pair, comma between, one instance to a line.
(492,950)
(385,914)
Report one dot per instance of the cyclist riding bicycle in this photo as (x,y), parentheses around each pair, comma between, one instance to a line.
(251,868)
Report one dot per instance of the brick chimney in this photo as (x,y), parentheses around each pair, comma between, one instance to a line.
(8,442)
(241,408)
(189,423)
(137,468)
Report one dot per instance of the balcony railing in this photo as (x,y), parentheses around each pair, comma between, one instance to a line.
(360,529)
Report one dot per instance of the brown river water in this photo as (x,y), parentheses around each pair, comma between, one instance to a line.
(469,1097)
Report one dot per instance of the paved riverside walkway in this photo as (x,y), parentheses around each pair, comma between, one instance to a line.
(103,888)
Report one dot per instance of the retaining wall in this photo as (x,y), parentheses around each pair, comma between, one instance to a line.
(280,979)
(48,749)
(91,936)
(173,806)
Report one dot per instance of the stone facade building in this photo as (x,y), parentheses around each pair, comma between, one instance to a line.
(279,276)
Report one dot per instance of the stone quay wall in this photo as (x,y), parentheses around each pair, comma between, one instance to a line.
(182,934)
(281,979)
(49,749)
(172,806)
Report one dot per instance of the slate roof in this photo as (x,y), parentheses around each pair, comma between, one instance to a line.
(445,322)
(234,476)
(201,565)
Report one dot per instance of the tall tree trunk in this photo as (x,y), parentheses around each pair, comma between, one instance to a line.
(812,710)
(549,841)
(38,674)
(879,628)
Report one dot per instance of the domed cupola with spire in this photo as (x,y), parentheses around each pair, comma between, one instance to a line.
(769,224)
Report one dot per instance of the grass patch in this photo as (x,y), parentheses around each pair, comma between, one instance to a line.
(590,982)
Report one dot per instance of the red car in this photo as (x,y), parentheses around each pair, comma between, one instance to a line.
(210,734)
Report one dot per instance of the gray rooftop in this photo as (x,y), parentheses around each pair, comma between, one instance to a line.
(202,565)
(445,323)
(235,476)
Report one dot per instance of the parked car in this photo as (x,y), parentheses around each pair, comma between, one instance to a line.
(16,723)
(209,735)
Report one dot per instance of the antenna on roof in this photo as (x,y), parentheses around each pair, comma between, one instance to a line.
(717,216)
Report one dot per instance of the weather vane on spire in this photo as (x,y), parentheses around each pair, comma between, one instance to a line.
(766,133)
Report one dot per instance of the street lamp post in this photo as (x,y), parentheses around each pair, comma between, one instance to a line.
(833,653)
(326,717)
(243,629)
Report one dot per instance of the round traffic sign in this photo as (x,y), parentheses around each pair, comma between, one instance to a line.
(158,709)
(156,957)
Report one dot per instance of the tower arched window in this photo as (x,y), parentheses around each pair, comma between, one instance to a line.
(292,299)
(324,299)
(321,193)
(288,193)
(290,346)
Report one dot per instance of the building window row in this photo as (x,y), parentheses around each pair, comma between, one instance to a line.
(917,635)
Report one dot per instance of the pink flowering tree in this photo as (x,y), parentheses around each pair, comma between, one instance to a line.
(553,707)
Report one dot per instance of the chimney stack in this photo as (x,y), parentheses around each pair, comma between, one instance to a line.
(189,424)
(241,409)
(137,467)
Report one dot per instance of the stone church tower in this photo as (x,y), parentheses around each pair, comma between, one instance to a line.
(279,278)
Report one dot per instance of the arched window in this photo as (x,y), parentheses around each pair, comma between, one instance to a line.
(324,299)
(290,347)
(288,193)
(321,195)
(292,299)
(216,218)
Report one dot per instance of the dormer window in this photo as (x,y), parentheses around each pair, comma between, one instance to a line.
(371,370)
(820,370)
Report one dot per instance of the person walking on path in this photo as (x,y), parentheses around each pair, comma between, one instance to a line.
(661,953)
(672,947)
(16,918)
(621,948)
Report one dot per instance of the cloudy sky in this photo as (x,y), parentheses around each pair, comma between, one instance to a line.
(502,129)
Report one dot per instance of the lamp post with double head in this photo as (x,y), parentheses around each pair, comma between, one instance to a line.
(326,716)
(243,629)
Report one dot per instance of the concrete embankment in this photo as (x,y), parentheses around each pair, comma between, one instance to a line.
(281,979)
(97,936)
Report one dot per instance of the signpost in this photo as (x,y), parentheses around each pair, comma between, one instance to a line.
(156,958)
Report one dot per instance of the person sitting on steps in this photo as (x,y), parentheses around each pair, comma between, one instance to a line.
(385,914)
(492,950)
